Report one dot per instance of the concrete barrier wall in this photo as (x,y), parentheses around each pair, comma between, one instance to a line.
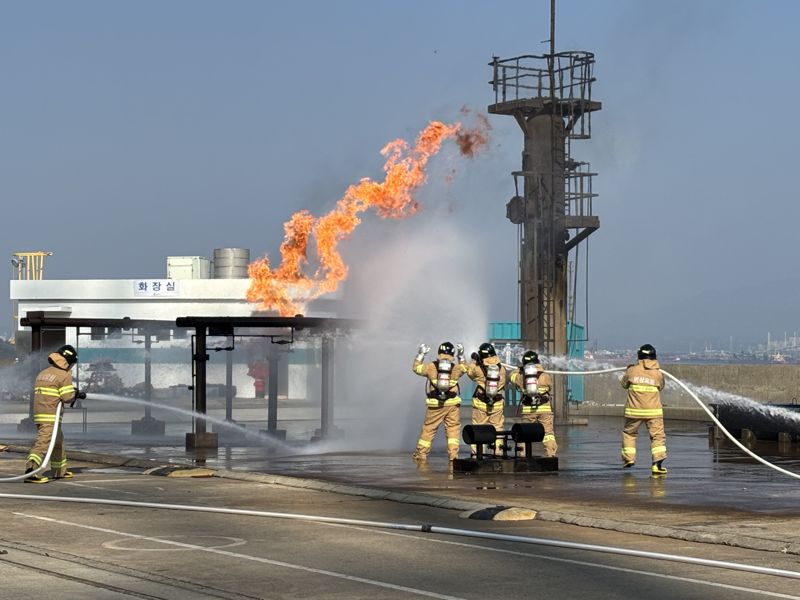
(772,384)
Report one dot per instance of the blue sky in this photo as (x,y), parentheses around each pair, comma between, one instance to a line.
(132,131)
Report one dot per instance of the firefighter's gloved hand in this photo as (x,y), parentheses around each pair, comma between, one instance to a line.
(422,351)
(78,396)
(460,352)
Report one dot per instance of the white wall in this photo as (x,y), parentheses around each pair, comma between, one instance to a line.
(115,299)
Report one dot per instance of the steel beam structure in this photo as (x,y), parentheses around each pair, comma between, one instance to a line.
(550,98)
(275,329)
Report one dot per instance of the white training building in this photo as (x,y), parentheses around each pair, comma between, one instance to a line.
(194,286)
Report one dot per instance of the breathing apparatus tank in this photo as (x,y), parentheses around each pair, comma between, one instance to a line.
(530,379)
(444,371)
(492,380)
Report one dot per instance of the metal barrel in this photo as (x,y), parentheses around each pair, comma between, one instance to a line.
(479,434)
(527,432)
(231,263)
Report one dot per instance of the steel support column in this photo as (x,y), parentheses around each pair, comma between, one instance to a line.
(148,370)
(148,426)
(27,423)
(273,360)
(326,408)
(36,348)
(229,384)
(200,362)
(200,438)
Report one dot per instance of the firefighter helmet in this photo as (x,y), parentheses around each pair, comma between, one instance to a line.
(486,350)
(530,357)
(447,348)
(69,353)
(645,352)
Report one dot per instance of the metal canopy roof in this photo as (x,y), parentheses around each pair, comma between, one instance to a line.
(297,322)
(38,319)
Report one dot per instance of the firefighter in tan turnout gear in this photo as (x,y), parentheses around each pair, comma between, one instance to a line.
(535,386)
(644,382)
(490,377)
(442,396)
(52,386)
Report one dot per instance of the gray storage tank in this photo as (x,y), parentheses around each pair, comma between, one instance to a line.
(231,263)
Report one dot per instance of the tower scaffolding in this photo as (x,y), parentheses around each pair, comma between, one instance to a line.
(550,97)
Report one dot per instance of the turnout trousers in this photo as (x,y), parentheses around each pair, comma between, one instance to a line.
(658,439)
(58,460)
(549,441)
(496,418)
(434,417)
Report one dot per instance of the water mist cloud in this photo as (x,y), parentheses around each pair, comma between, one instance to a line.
(411,284)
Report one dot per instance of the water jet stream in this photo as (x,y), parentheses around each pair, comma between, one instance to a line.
(267,439)
(695,398)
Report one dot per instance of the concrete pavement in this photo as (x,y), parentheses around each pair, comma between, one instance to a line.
(57,550)
(710,495)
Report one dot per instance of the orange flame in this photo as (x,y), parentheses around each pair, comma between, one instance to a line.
(287,287)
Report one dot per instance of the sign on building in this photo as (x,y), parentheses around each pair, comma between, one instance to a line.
(155,287)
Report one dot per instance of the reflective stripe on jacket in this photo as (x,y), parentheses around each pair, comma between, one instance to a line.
(476,373)
(52,385)
(644,382)
(534,409)
(488,407)
(434,399)
(540,402)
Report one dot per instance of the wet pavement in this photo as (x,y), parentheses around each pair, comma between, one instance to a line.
(714,490)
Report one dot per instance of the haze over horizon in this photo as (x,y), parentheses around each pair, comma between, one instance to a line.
(134,131)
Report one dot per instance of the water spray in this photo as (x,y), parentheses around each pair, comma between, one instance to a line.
(46,461)
(726,432)
(427,528)
(269,440)
(708,411)
(680,383)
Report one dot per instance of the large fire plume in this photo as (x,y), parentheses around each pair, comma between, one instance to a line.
(288,287)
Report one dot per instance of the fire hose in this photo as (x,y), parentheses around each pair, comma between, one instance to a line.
(427,528)
(424,528)
(702,405)
(46,460)
(708,411)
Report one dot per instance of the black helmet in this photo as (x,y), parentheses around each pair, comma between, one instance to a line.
(447,348)
(69,353)
(486,350)
(530,357)
(645,352)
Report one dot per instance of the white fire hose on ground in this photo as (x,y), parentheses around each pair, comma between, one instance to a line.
(696,399)
(46,459)
(425,528)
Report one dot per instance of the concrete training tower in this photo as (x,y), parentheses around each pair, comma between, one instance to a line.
(550,96)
